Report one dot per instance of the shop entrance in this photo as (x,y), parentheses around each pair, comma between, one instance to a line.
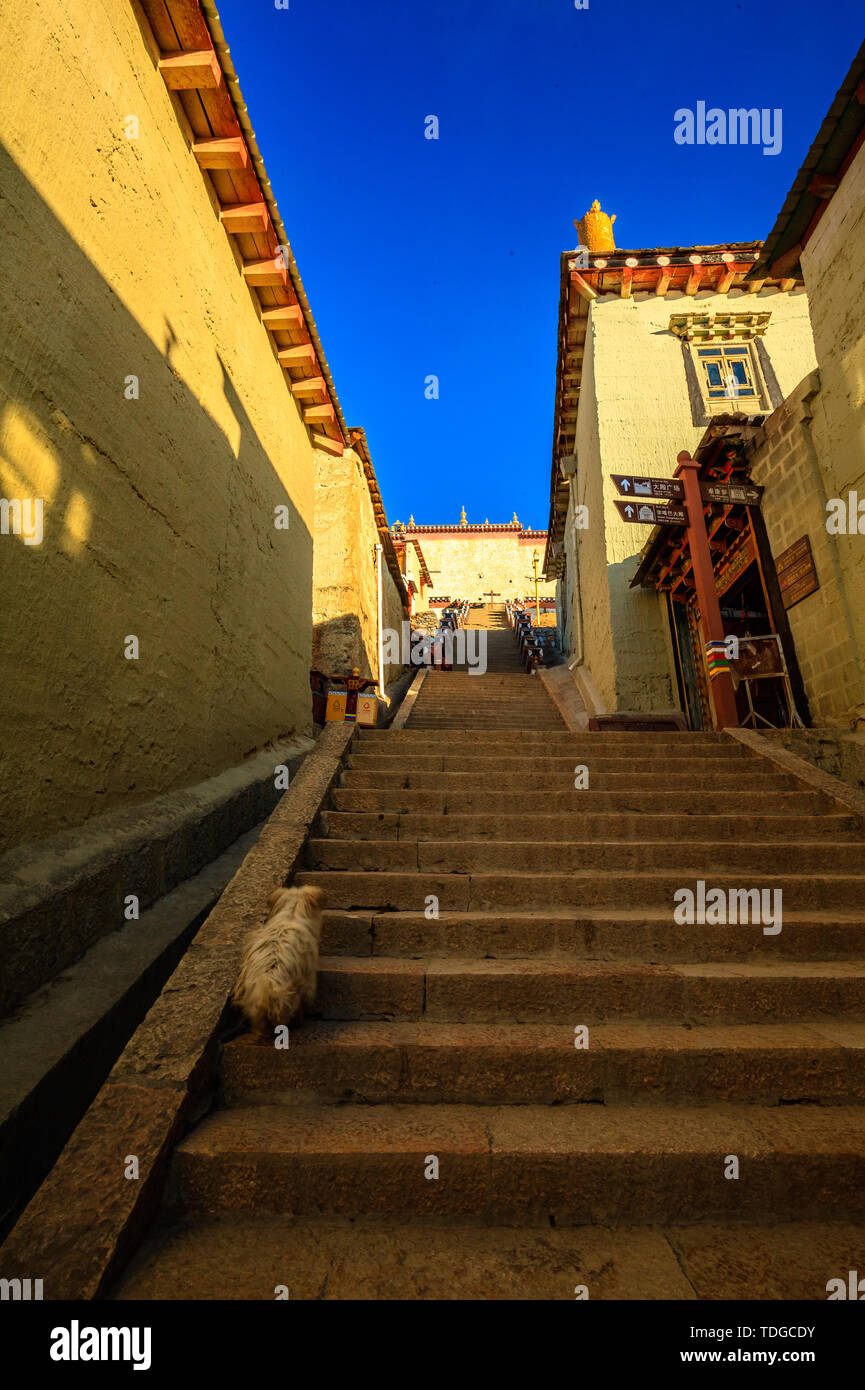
(766,677)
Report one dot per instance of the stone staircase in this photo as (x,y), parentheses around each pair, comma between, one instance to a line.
(482,912)
(503,697)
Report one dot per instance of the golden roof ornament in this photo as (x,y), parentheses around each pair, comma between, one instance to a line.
(596,229)
(515,522)
(463,517)
(411,520)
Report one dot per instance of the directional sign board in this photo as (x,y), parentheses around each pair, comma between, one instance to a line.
(650,515)
(746,494)
(632,486)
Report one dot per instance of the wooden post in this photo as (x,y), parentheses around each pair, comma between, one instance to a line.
(536,559)
(711,622)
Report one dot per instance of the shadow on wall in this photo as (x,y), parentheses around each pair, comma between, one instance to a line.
(157,523)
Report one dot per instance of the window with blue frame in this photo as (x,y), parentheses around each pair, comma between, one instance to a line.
(728,373)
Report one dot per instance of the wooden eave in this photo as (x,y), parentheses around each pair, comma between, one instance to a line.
(193,59)
(357,440)
(835,147)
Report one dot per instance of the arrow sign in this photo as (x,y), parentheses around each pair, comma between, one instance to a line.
(650,515)
(745,494)
(632,486)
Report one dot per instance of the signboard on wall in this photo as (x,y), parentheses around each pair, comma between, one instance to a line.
(797,576)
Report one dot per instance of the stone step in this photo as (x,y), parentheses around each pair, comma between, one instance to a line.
(669,743)
(486,892)
(429,800)
(697,858)
(713,761)
(588,826)
(556,746)
(249,1257)
(575,1164)
(532,698)
(447,1063)
(586,934)
(464,989)
(728,782)
(517,724)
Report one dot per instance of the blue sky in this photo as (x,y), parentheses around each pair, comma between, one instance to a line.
(441,257)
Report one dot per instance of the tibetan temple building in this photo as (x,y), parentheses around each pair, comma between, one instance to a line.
(747,360)
(487,563)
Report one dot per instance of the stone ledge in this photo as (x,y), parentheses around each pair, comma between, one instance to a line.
(87,1216)
(850,798)
(58,1047)
(61,895)
(408,701)
(562,689)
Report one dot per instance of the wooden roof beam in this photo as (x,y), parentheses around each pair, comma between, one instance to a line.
(245,217)
(284,316)
(324,441)
(271,271)
(695,276)
(310,386)
(666,271)
(583,289)
(190,71)
(226,152)
(301,356)
(313,414)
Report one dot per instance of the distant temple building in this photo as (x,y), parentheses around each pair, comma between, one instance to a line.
(487,563)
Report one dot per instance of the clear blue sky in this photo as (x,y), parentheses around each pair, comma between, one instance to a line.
(441,257)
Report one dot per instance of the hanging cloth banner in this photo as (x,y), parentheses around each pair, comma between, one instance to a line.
(717,661)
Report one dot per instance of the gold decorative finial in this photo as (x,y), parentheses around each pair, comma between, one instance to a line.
(411,520)
(596,229)
(463,517)
(515,522)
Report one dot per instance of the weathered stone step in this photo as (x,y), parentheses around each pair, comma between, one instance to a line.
(588,934)
(698,858)
(514,723)
(458,989)
(547,826)
(518,761)
(575,1163)
(531,695)
(538,1064)
(248,1257)
(627,739)
(553,747)
(671,778)
(484,892)
(492,804)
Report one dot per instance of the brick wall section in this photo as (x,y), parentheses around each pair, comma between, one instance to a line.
(784,462)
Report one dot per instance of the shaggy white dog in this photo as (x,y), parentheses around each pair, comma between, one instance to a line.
(280,960)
